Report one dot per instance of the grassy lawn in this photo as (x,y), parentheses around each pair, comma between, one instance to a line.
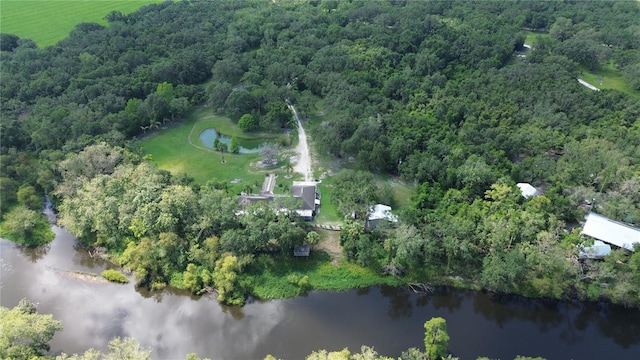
(607,77)
(533,36)
(48,21)
(178,149)
(328,207)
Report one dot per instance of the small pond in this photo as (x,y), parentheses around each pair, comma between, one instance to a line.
(208,136)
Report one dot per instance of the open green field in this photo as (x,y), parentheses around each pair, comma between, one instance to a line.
(48,21)
(178,150)
(607,77)
(533,36)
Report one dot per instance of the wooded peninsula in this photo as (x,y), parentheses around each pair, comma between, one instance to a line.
(461,100)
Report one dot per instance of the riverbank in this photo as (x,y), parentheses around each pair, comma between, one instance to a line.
(173,323)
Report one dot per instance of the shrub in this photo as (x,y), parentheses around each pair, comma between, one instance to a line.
(26,227)
(115,276)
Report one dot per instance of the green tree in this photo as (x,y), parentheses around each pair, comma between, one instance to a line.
(436,338)
(312,238)
(8,190)
(234,145)
(562,29)
(25,333)
(165,90)
(127,348)
(278,115)
(222,147)
(26,227)
(225,279)
(28,197)
(191,279)
(178,107)
(247,123)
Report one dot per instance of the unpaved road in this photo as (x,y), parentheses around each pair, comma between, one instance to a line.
(303,165)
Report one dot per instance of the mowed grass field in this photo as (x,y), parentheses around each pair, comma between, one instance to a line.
(607,77)
(178,149)
(48,21)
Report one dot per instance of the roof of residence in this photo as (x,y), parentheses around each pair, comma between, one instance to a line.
(307,192)
(246,199)
(527,190)
(610,231)
(380,211)
(269,184)
(597,250)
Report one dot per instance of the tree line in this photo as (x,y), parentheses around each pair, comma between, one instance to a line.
(426,91)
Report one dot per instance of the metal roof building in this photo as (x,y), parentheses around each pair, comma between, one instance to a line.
(598,250)
(610,231)
(527,190)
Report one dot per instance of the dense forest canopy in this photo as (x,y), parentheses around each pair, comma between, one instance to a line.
(425,90)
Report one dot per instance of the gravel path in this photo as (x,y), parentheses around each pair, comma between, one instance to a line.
(303,165)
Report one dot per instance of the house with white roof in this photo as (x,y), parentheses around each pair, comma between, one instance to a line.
(610,231)
(378,213)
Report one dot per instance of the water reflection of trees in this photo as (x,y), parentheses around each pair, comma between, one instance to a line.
(620,324)
(502,308)
(235,311)
(34,254)
(444,298)
(400,301)
(82,256)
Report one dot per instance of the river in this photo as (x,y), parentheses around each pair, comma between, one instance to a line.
(173,323)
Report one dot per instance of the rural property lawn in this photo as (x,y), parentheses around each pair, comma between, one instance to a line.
(178,150)
(48,21)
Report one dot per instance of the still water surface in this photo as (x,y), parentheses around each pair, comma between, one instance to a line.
(174,323)
(208,136)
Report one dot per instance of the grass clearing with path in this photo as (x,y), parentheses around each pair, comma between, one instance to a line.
(47,22)
(178,149)
(607,77)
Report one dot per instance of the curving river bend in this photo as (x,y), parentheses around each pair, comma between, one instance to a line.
(174,323)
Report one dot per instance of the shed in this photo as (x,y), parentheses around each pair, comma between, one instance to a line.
(610,231)
(302,251)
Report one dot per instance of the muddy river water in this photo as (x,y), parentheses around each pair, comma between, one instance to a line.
(173,323)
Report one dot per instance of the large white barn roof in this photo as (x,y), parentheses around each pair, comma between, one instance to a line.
(612,232)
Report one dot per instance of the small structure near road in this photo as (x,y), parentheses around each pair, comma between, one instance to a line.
(613,232)
(302,251)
